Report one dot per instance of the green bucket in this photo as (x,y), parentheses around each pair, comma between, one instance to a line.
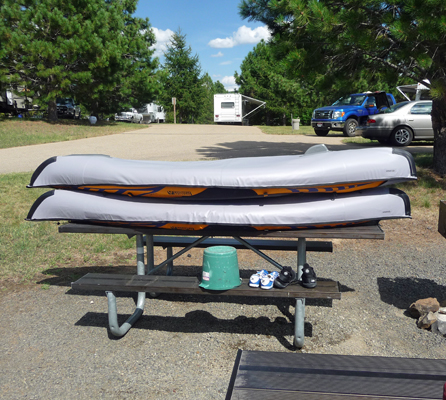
(220,268)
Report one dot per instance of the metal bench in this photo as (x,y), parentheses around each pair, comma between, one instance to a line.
(144,281)
(303,376)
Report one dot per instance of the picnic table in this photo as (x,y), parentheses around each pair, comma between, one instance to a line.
(146,282)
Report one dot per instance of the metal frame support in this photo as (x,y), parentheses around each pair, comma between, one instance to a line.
(299,316)
(258,252)
(299,323)
(150,253)
(115,329)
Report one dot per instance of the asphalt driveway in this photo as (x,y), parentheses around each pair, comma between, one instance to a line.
(171,142)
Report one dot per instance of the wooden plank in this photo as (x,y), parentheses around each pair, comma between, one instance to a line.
(351,232)
(260,375)
(261,244)
(189,285)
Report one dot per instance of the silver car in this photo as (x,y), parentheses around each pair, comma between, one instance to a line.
(400,124)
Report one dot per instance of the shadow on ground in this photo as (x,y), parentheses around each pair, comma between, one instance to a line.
(261,149)
(402,292)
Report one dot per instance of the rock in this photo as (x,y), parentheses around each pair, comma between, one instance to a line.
(424,306)
(441,320)
(426,320)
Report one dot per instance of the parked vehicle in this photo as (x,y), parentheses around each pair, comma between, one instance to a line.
(152,112)
(234,108)
(348,112)
(67,108)
(13,103)
(416,91)
(400,124)
(131,115)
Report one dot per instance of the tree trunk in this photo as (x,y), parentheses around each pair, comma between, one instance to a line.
(52,110)
(439,126)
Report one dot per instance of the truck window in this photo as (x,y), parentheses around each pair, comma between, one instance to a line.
(227,104)
(371,102)
(351,100)
(389,99)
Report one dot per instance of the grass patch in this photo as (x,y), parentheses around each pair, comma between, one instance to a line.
(359,140)
(28,248)
(15,132)
(286,130)
(429,188)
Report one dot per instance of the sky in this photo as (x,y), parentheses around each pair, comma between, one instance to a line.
(214,31)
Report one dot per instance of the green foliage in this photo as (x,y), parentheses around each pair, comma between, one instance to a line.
(267,77)
(92,50)
(182,80)
(264,77)
(338,40)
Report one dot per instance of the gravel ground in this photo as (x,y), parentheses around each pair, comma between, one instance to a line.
(56,345)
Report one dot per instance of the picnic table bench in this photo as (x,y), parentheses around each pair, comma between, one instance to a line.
(145,282)
(302,376)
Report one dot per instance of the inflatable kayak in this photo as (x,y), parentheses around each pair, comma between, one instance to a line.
(271,213)
(316,171)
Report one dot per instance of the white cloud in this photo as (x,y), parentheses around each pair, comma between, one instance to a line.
(226,63)
(162,40)
(229,83)
(244,35)
(219,54)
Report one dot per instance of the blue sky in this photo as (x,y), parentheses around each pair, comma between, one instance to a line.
(213,29)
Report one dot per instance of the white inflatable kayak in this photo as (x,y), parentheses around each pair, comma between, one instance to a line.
(271,213)
(317,171)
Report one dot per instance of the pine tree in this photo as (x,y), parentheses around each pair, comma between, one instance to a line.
(338,38)
(94,50)
(183,79)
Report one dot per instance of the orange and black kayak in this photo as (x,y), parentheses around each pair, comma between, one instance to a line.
(318,171)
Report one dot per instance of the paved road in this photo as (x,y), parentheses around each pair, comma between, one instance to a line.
(174,143)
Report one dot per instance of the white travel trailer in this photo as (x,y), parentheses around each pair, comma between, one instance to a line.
(234,108)
(13,103)
(420,91)
(152,113)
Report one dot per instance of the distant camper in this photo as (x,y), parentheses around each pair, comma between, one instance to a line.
(152,113)
(234,108)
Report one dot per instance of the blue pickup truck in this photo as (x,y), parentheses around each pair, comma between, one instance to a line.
(349,111)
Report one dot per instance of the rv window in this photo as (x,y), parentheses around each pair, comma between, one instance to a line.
(227,104)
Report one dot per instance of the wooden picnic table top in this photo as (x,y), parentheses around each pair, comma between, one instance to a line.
(350,232)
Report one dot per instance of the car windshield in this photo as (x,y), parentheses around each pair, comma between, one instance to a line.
(64,101)
(394,108)
(350,100)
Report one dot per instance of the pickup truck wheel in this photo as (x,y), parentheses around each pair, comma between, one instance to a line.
(350,127)
(321,132)
(401,136)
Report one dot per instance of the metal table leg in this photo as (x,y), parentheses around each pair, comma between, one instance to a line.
(299,323)
(115,329)
(299,317)
(150,253)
